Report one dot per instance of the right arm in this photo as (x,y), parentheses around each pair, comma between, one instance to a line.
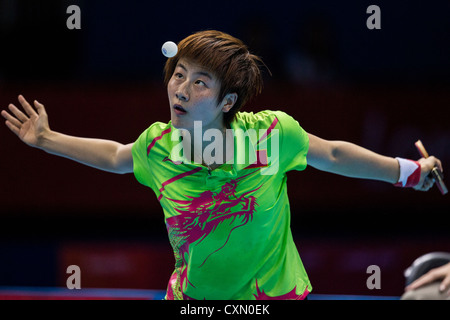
(33,129)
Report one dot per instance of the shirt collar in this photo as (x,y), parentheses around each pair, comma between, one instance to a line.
(244,148)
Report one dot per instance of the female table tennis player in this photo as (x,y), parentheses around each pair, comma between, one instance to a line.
(227,215)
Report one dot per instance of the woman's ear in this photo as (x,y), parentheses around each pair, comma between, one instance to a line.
(229,101)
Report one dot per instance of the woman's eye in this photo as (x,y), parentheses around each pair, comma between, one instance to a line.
(178,75)
(200,82)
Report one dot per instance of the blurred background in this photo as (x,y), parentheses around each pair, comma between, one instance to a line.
(382,89)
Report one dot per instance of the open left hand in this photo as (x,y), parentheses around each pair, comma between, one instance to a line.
(31,126)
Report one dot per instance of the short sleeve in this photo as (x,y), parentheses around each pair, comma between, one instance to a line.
(294,143)
(141,165)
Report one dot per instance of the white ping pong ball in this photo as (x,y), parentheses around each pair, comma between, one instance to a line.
(169,49)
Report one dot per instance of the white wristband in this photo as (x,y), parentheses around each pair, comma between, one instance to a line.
(409,173)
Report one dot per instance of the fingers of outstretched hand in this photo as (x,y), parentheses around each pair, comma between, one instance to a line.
(39,107)
(17,113)
(11,122)
(26,106)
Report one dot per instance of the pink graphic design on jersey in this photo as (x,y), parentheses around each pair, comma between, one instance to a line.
(261,295)
(201,215)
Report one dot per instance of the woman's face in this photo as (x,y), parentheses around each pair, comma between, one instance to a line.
(193,96)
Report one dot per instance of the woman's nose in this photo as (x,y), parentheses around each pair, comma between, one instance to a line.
(182,93)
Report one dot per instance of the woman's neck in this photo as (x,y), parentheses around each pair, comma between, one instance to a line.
(210,147)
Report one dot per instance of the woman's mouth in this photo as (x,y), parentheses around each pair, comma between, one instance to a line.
(179,110)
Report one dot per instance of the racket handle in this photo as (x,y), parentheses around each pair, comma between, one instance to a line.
(421,149)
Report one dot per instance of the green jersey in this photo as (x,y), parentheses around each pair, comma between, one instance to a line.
(229,227)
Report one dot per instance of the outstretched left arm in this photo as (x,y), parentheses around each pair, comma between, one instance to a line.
(351,160)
